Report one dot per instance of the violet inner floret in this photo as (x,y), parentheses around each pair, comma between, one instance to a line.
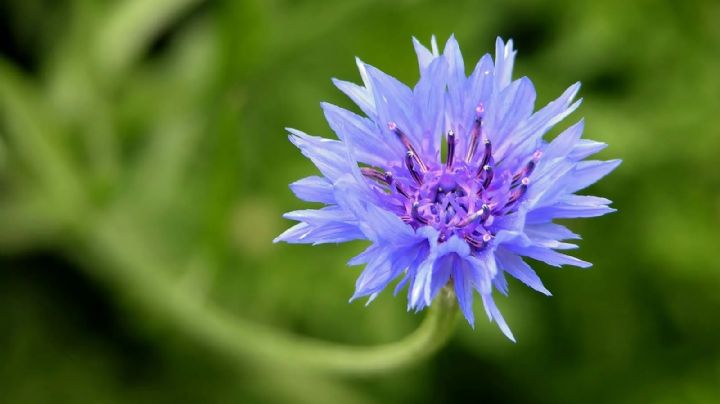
(457,197)
(466,220)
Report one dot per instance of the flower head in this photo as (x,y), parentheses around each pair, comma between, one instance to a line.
(466,216)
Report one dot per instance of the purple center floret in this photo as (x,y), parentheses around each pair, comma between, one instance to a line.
(461,197)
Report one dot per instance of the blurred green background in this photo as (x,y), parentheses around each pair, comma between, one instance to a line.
(143,162)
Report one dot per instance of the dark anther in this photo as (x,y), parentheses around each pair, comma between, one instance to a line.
(488,171)
(408,146)
(487,153)
(416,213)
(519,192)
(410,164)
(475,133)
(450,148)
(374,174)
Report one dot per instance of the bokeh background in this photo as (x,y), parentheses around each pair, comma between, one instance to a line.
(144,166)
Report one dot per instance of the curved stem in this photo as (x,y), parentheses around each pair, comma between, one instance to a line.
(131,269)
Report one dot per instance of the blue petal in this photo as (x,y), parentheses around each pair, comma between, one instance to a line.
(552,113)
(380,271)
(359,95)
(365,256)
(378,224)
(482,270)
(512,106)
(563,144)
(420,288)
(435,271)
(464,290)
(326,214)
(370,146)
(429,102)
(455,61)
(478,91)
(587,173)
(455,80)
(572,206)
(393,101)
(548,182)
(329,156)
(547,255)
(494,314)
(424,55)
(515,266)
(331,232)
(442,270)
(362,96)
(500,283)
(585,148)
(454,245)
(550,231)
(504,60)
(331,224)
(529,134)
(314,189)
(419,254)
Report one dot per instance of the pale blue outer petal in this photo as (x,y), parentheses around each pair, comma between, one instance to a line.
(314,189)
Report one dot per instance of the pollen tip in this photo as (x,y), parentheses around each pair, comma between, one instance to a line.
(480,108)
(525,181)
(392,125)
(487,167)
(537,155)
(487,237)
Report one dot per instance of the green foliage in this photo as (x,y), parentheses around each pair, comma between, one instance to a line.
(142,146)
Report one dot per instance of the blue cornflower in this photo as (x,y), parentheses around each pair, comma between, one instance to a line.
(465,219)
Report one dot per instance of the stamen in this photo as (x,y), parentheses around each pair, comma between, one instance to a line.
(416,213)
(450,148)
(488,170)
(528,169)
(406,142)
(485,209)
(398,187)
(524,172)
(401,190)
(519,192)
(409,163)
(389,177)
(487,154)
(374,174)
(475,133)
(482,214)
(474,242)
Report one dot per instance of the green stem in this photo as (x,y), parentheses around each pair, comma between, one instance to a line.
(131,269)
